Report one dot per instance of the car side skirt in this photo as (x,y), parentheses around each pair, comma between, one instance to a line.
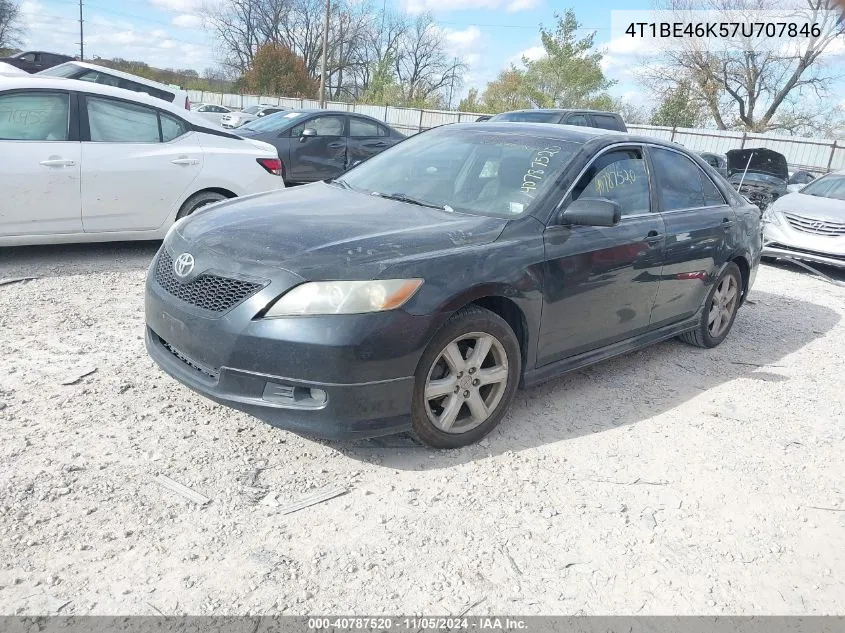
(553,370)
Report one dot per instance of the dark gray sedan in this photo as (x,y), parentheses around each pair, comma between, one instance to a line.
(420,289)
(319,144)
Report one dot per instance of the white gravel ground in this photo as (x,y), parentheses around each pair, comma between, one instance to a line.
(673,480)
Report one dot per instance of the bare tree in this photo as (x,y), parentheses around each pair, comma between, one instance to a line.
(422,65)
(758,86)
(11,29)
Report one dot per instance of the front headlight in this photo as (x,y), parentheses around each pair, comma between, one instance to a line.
(344,297)
(770,216)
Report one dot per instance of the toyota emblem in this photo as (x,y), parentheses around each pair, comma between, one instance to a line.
(183,265)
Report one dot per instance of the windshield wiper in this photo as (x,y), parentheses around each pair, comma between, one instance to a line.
(339,182)
(401,197)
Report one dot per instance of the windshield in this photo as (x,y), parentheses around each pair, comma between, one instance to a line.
(488,173)
(273,122)
(830,186)
(66,70)
(528,117)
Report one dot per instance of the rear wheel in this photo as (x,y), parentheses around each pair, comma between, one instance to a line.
(199,200)
(720,310)
(466,379)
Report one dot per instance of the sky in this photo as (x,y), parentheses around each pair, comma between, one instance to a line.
(487,34)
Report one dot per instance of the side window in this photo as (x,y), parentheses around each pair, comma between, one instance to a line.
(578,119)
(324,126)
(34,116)
(171,127)
(619,176)
(112,121)
(29,57)
(712,196)
(680,181)
(99,78)
(362,127)
(606,122)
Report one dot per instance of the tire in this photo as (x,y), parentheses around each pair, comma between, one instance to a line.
(458,418)
(199,200)
(710,332)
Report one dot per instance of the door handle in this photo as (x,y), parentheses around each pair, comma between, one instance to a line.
(58,162)
(653,236)
(184,160)
(727,222)
(336,145)
(378,144)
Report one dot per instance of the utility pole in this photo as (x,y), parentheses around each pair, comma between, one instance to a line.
(452,85)
(325,55)
(81,38)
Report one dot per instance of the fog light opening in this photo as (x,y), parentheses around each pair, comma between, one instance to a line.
(318,395)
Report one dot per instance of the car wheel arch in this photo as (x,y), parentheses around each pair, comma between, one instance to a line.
(744,270)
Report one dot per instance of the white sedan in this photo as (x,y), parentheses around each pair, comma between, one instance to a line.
(83,162)
(210,111)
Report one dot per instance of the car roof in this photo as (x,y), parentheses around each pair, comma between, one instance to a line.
(123,75)
(15,82)
(561,111)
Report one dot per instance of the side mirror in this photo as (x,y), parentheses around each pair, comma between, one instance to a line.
(591,212)
(306,133)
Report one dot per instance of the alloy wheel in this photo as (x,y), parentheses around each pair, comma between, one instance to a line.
(466,382)
(723,306)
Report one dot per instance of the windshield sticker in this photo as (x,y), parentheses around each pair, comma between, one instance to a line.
(537,170)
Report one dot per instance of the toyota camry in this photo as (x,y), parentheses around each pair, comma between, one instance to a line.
(420,289)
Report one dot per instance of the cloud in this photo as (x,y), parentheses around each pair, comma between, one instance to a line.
(187,21)
(421,6)
(177,6)
(466,38)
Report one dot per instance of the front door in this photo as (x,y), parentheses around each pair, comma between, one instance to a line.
(698,234)
(136,170)
(366,139)
(600,282)
(39,164)
(320,156)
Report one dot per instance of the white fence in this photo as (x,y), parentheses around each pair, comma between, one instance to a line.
(819,155)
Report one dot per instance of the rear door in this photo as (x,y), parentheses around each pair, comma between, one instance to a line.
(39,163)
(321,156)
(139,163)
(698,234)
(366,139)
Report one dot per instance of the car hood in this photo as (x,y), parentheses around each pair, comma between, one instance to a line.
(814,207)
(322,231)
(762,161)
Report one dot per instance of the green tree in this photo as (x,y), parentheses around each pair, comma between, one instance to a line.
(569,75)
(471,103)
(506,92)
(679,108)
(276,70)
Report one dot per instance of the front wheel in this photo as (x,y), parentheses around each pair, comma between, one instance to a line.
(465,380)
(720,310)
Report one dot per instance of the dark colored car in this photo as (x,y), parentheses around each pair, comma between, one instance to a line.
(483,118)
(584,118)
(320,144)
(35,61)
(418,291)
(759,174)
(717,161)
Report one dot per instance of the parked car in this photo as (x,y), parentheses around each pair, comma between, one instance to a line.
(35,61)
(84,71)
(584,118)
(810,224)
(719,162)
(83,162)
(759,174)
(7,70)
(420,289)
(319,144)
(237,119)
(210,111)
(798,179)
(484,117)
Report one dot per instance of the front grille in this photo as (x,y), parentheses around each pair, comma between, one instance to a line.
(205,370)
(814,226)
(209,292)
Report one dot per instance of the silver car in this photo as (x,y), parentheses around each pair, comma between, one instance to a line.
(237,119)
(810,224)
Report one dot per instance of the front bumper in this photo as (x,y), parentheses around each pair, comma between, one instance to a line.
(780,240)
(363,365)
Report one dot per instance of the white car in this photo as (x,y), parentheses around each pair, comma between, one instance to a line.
(8,70)
(237,119)
(81,162)
(210,111)
(110,77)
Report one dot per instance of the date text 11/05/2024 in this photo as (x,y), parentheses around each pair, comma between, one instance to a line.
(491,623)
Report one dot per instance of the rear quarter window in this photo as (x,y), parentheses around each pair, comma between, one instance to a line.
(607,122)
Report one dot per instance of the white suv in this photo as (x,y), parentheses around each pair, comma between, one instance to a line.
(110,77)
(82,162)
